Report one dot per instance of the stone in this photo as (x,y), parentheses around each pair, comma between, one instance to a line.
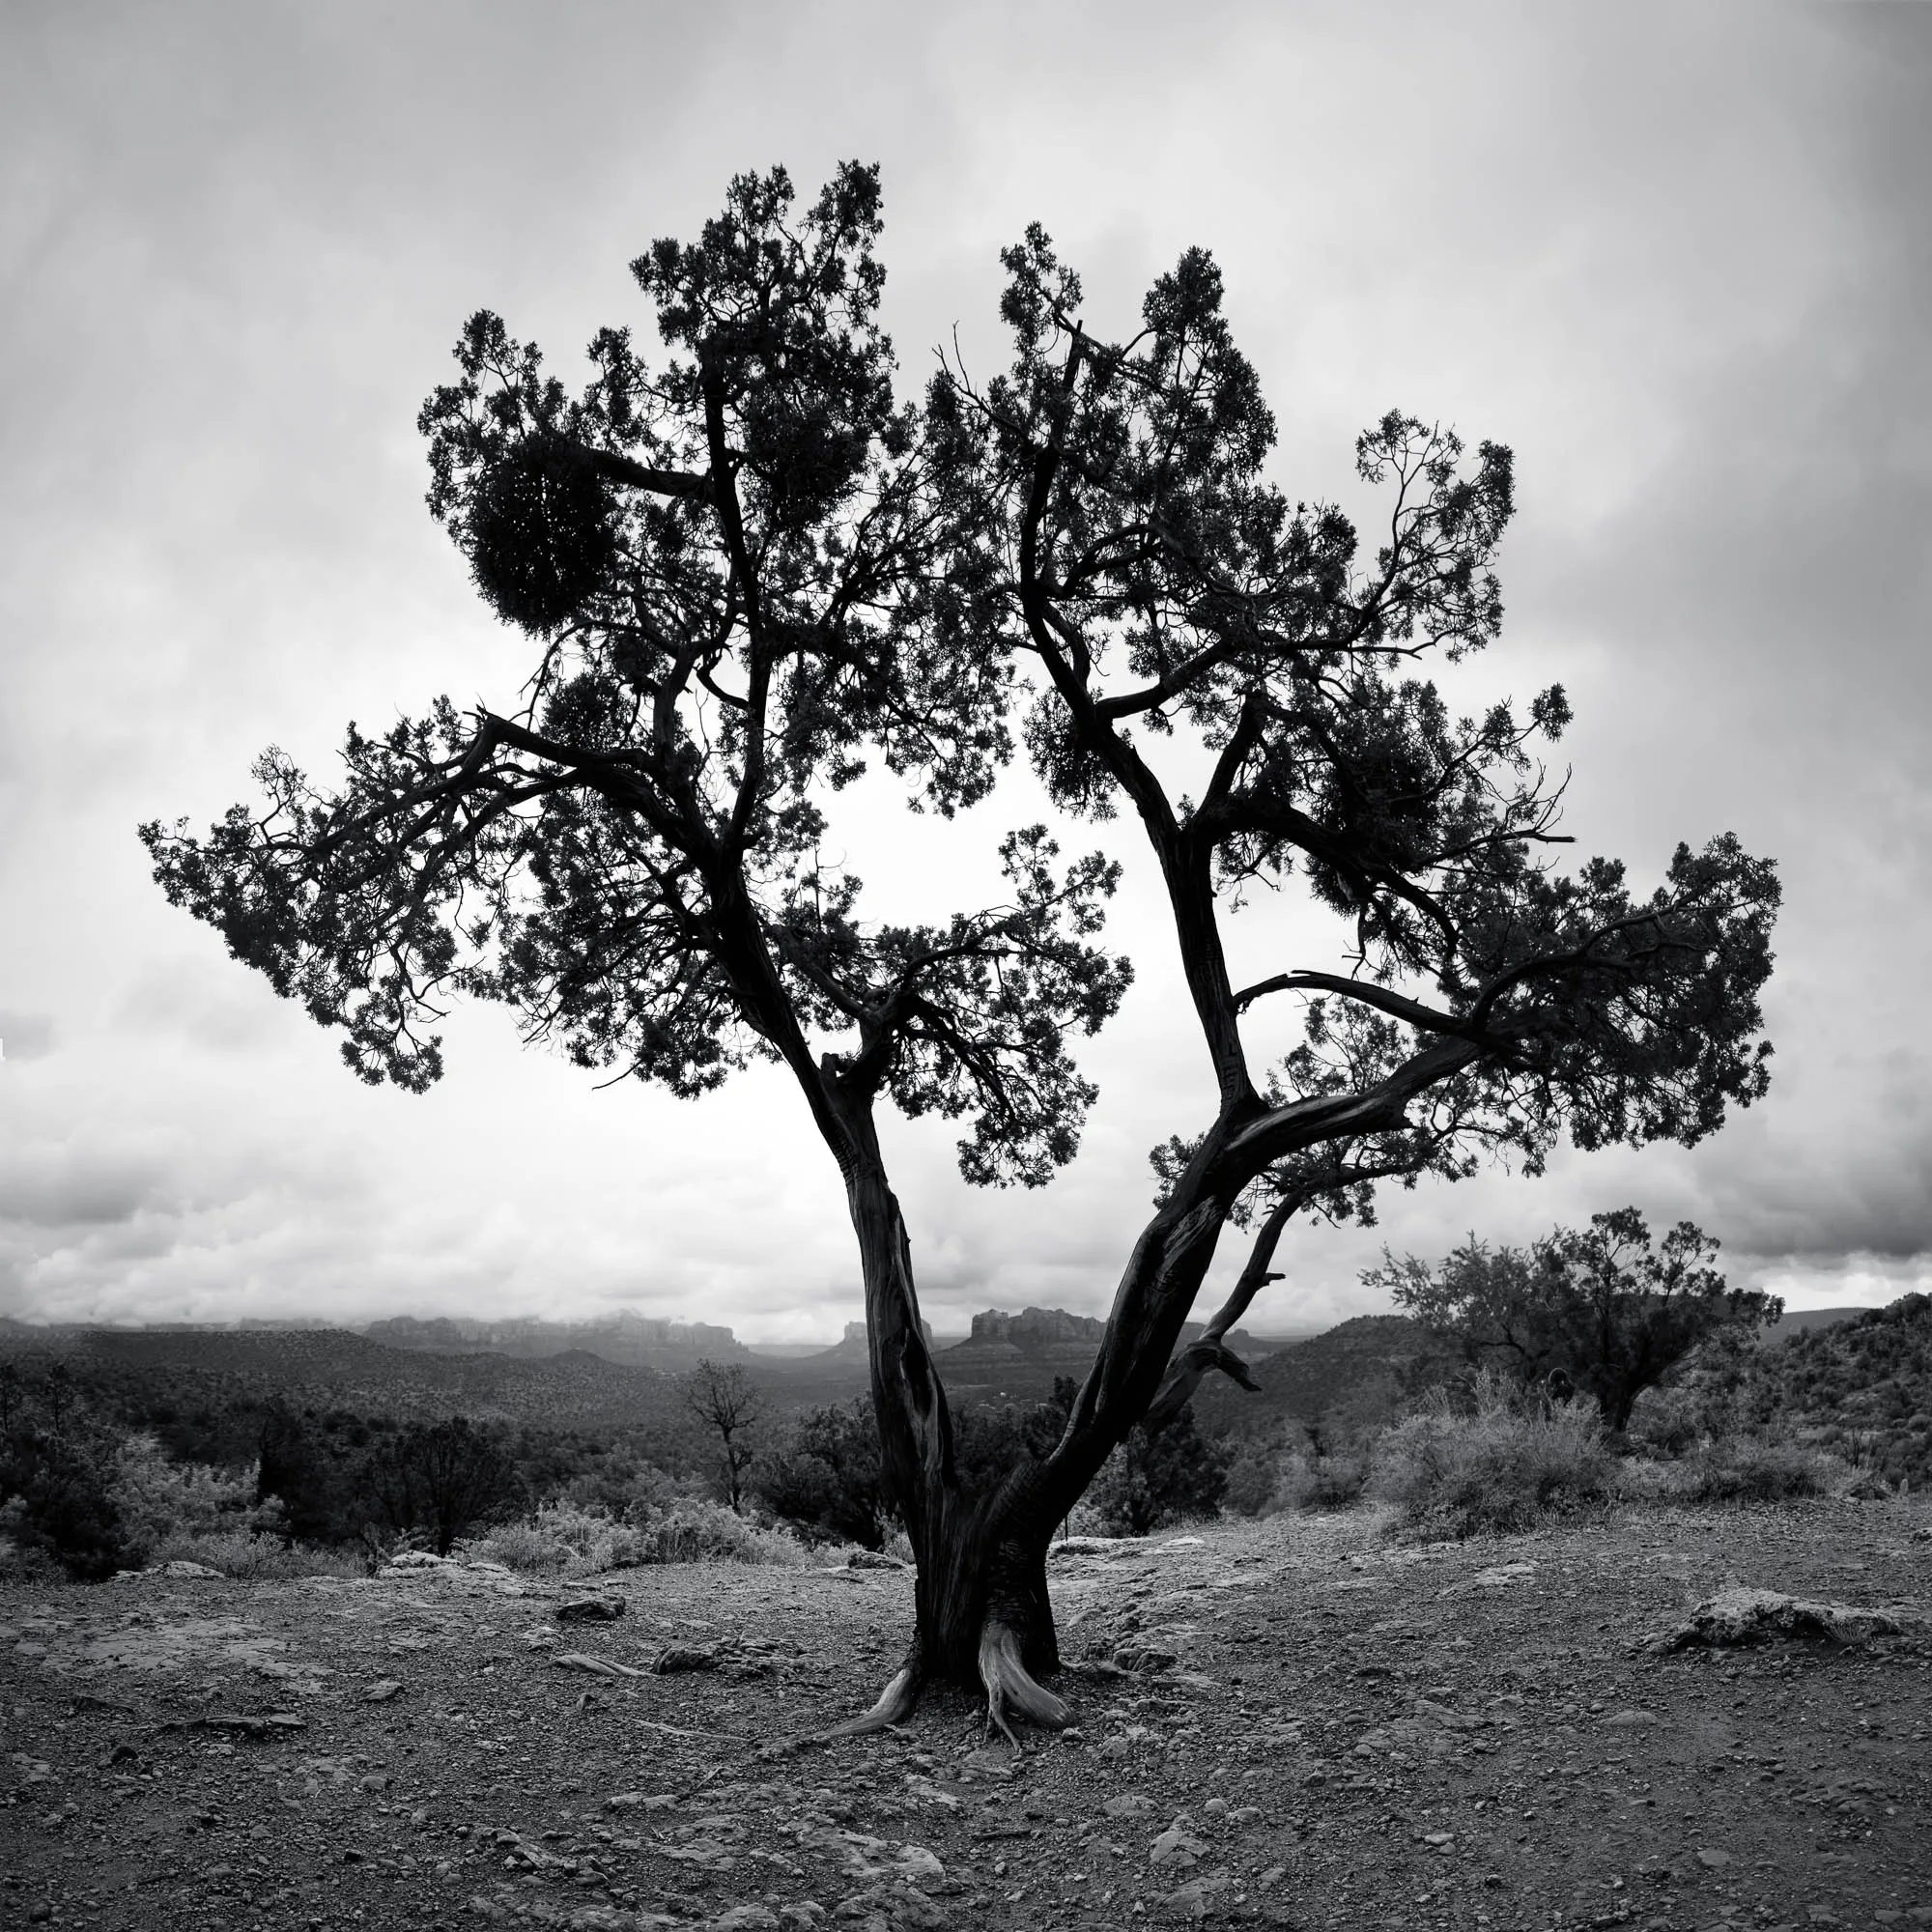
(415,1559)
(1177,1846)
(1128,1805)
(1096,1546)
(382,1692)
(1501,1575)
(1742,1617)
(638,1800)
(1196,1898)
(181,1567)
(1144,1660)
(744,1919)
(1712,1860)
(679,1658)
(872,1559)
(1630,1720)
(590,1610)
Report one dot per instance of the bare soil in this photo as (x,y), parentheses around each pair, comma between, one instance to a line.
(1319,1728)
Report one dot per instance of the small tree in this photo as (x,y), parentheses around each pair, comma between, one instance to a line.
(750,570)
(1599,1307)
(722,1397)
(823,1476)
(442,1478)
(1161,1475)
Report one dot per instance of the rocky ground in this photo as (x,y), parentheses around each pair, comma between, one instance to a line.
(1294,1722)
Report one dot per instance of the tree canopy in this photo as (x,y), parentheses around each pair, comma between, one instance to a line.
(1602,1305)
(751,569)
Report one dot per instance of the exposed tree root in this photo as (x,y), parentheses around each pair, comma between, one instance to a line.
(898,1703)
(1010,1689)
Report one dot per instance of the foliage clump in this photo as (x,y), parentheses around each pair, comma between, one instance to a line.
(1499,1459)
(1599,1309)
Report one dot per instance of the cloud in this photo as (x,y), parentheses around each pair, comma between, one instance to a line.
(26,1036)
(1674,257)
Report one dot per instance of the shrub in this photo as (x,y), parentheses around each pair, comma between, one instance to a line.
(254,1558)
(564,1539)
(159,1501)
(1324,1479)
(1497,1461)
(1160,1477)
(699,1531)
(823,1476)
(1255,1478)
(1750,1470)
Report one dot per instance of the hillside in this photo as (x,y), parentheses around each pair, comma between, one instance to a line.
(1358,1369)
(337,1368)
(1861,1387)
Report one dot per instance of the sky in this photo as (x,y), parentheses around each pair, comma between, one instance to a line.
(1676,257)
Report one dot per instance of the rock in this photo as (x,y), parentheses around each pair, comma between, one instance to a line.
(679,1658)
(1740,1616)
(1096,1546)
(991,1758)
(1713,1860)
(1195,1900)
(1502,1575)
(872,1559)
(590,1610)
(1177,1846)
(267,1725)
(1145,1660)
(382,1692)
(744,1919)
(638,1800)
(181,1567)
(1128,1805)
(1630,1720)
(415,1559)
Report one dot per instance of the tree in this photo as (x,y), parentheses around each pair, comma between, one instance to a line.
(1599,1307)
(1161,1475)
(444,1478)
(750,570)
(722,1397)
(824,1477)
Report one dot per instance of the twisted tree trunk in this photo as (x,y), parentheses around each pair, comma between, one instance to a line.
(984,1615)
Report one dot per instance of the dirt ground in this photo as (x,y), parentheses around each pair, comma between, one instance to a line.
(1317,1727)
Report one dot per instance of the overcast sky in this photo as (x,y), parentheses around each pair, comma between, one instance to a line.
(1677,257)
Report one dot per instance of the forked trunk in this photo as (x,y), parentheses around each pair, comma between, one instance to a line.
(983,1614)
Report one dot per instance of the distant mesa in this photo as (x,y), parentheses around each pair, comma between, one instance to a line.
(636,1340)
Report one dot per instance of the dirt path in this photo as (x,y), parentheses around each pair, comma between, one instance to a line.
(1321,1730)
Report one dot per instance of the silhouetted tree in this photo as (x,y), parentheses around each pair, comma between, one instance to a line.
(752,571)
(442,1479)
(1598,1309)
(722,1397)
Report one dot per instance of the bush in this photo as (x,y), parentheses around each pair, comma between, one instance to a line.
(823,1477)
(1750,1469)
(1499,1461)
(159,1501)
(1324,1479)
(254,1558)
(564,1539)
(1152,1479)
(1254,1478)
